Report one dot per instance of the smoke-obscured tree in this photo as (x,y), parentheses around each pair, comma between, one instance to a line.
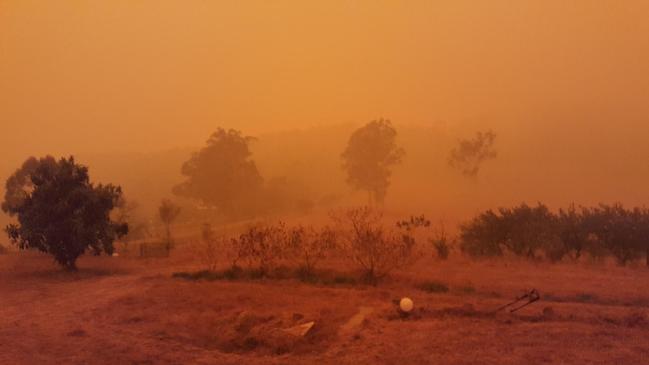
(126,211)
(370,154)
(168,212)
(223,176)
(470,154)
(59,211)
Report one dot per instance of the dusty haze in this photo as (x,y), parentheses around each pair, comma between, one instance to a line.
(132,88)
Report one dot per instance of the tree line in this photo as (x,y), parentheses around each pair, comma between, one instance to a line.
(58,209)
(537,232)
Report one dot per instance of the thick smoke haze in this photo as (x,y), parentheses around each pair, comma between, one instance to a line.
(133,88)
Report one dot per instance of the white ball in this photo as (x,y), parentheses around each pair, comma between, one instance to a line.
(406,304)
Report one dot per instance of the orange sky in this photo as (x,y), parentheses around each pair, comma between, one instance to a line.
(141,75)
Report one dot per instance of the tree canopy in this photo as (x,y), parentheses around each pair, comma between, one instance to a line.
(59,211)
(371,152)
(222,175)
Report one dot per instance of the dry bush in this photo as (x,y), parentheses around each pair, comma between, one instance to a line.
(260,247)
(441,243)
(308,246)
(370,246)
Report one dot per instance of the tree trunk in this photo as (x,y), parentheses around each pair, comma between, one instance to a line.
(168,239)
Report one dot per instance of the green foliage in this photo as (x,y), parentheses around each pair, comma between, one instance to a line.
(370,153)
(59,211)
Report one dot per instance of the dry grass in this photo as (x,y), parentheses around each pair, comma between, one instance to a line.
(132,311)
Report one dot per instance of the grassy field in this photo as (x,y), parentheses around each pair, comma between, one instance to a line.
(132,311)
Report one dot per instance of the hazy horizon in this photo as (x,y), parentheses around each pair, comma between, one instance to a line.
(564,86)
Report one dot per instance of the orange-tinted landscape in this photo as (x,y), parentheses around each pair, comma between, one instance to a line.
(265,182)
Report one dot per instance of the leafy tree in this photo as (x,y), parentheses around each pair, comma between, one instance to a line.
(482,236)
(573,232)
(469,155)
(223,176)
(59,211)
(168,212)
(370,153)
(616,230)
(126,211)
(641,218)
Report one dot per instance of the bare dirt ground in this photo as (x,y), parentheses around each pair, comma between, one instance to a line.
(127,311)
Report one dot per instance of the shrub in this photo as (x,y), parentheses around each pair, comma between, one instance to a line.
(440,244)
(308,246)
(261,246)
(441,248)
(375,250)
(522,230)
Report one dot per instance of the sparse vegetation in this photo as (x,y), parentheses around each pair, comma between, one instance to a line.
(440,243)
(309,246)
(370,246)
(261,246)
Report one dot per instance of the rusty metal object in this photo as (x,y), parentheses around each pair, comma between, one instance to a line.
(526,299)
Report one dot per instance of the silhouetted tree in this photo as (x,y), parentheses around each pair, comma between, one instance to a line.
(616,229)
(222,175)
(168,212)
(469,155)
(573,232)
(521,230)
(370,153)
(641,217)
(59,211)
